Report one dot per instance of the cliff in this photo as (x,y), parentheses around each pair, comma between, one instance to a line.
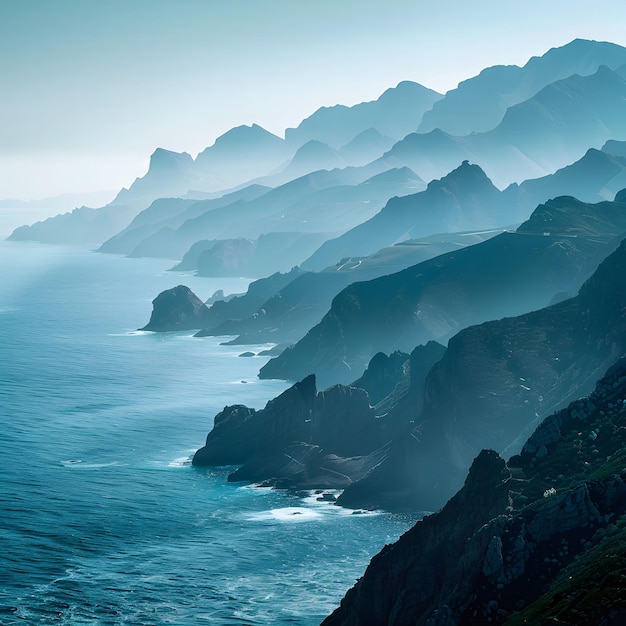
(507,275)
(177,309)
(538,540)
(329,439)
(494,384)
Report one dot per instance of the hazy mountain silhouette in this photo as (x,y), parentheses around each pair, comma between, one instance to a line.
(366,147)
(322,201)
(170,213)
(479,103)
(269,253)
(464,199)
(397,112)
(240,155)
(312,156)
(169,174)
(553,128)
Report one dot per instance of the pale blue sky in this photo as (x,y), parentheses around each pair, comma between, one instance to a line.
(91,87)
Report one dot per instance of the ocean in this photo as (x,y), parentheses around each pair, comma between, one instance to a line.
(103,519)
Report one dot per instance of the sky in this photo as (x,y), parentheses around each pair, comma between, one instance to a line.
(90,88)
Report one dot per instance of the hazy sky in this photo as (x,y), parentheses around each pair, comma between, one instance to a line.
(89,88)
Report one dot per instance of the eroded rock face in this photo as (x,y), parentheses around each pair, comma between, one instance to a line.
(492,386)
(303,438)
(178,308)
(497,551)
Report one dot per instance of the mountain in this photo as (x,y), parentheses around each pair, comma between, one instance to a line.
(397,112)
(490,387)
(321,202)
(224,309)
(506,275)
(307,439)
(289,313)
(177,309)
(535,137)
(312,156)
(479,103)
(169,174)
(273,252)
(169,214)
(465,199)
(493,386)
(466,196)
(240,155)
(540,539)
(366,147)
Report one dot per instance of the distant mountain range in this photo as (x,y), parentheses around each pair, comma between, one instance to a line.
(519,123)
(506,275)
(479,104)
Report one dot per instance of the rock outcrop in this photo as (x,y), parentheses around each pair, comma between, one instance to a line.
(538,540)
(301,439)
(493,386)
(330,439)
(178,308)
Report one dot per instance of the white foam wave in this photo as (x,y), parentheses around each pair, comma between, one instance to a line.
(181,461)
(286,514)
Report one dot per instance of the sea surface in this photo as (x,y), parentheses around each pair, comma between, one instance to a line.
(102,518)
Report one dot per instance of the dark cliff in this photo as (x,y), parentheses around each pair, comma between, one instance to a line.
(177,309)
(493,385)
(538,540)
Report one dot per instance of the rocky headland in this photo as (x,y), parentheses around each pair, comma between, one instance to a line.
(540,539)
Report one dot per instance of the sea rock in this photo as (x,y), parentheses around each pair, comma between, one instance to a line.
(177,309)
(301,439)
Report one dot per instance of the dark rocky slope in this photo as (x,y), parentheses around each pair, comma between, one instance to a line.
(538,540)
(506,275)
(309,439)
(494,384)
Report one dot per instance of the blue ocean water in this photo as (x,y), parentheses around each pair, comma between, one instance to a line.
(103,520)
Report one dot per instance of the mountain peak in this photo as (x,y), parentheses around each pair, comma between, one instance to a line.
(161,156)
(468,177)
(246,134)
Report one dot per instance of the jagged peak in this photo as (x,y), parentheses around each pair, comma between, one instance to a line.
(466,175)
(233,138)
(161,155)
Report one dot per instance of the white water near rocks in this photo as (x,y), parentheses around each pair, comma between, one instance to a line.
(103,520)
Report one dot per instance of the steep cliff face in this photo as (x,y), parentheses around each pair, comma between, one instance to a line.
(509,274)
(177,309)
(539,540)
(301,439)
(494,384)
(309,439)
